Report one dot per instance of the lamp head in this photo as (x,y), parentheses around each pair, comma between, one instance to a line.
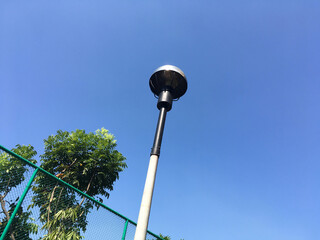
(168,78)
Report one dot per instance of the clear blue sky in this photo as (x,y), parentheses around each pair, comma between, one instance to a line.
(240,157)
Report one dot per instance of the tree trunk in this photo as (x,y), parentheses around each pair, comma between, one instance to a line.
(3,206)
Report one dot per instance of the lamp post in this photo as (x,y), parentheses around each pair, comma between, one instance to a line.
(168,83)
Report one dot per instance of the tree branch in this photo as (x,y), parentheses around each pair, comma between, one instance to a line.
(49,206)
(58,200)
(3,206)
(88,187)
(74,161)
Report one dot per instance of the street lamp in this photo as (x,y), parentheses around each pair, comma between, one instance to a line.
(167,83)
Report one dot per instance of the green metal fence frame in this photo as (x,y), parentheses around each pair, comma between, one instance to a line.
(37,169)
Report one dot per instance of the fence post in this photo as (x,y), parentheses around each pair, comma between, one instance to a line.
(18,204)
(125,230)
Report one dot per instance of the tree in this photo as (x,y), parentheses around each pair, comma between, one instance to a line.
(89,162)
(166,237)
(12,174)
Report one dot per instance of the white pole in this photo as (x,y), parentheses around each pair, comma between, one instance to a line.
(142,225)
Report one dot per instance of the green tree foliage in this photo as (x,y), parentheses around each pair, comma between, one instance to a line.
(12,174)
(166,237)
(89,162)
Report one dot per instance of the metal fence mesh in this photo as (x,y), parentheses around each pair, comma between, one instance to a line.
(37,205)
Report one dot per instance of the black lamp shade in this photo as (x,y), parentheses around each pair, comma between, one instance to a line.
(169,78)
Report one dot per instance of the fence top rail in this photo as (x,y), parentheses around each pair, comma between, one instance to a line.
(73,188)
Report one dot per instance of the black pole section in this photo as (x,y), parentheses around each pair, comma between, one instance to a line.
(155,150)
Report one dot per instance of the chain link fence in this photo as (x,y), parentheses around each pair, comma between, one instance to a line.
(37,205)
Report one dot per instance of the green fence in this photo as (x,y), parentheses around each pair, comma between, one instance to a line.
(56,211)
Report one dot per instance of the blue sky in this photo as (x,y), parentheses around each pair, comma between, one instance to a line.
(240,152)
